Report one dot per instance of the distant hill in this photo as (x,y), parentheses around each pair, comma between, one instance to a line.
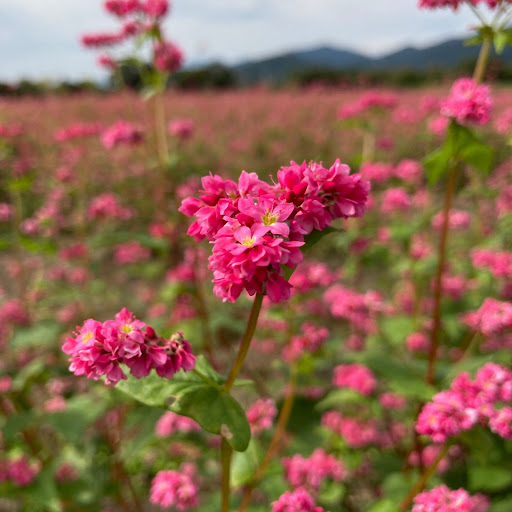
(445,56)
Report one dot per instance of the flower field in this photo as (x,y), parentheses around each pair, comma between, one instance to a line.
(293,300)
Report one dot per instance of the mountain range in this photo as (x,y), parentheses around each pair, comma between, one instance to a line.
(445,55)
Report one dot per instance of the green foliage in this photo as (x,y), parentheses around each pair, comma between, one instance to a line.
(461,145)
(187,394)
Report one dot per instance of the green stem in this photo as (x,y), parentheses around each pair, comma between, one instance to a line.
(225,457)
(425,477)
(208,381)
(483,59)
(441,262)
(246,342)
(226,450)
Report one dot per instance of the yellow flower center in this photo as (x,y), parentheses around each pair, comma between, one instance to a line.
(248,241)
(269,218)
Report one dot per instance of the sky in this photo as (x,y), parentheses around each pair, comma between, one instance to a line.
(39,39)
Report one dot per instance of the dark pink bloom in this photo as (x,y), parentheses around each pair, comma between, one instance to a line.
(356,377)
(311,472)
(168,57)
(261,414)
(442,499)
(468,102)
(170,423)
(181,128)
(121,132)
(175,489)
(296,501)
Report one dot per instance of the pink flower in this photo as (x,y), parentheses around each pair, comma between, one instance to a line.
(261,414)
(295,501)
(181,128)
(392,401)
(107,206)
(131,252)
(395,199)
(155,8)
(466,403)
(442,499)
(175,489)
(121,132)
(170,423)
(78,131)
(168,57)
(21,472)
(256,229)
(121,8)
(377,172)
(458,219)
(501,422)
(417,342)
(438,125)
(107,62)
(356,377)
(311,340)
(492,317)
(409,171)
(468,103)
(98,349)
(311,472)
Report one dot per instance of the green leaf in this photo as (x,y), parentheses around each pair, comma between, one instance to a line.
(384,506)
(187,394)
(245,464)
(489,479)
(501,505)
(502,38)
(460,144)
(338,397)
(436,164)
(310,241)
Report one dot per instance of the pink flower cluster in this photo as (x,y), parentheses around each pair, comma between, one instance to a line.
(457,219)
(395,199)
(107,206)
(499,263)
(355,376)
(443,499)
(295,501)
(168,57)
(181,128)
(19,471)
(360,309)
(261,414)
(170,423)
(152,10)
(311,340)
(131,252)
(468,102)
(257,229)
(455,4)
(469,402)
(175,488)
(356,433)
(493,317)
(367,101)
(11,131)
(100,348)
(78,131)
(311,275)
(311,472)
(121,132)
